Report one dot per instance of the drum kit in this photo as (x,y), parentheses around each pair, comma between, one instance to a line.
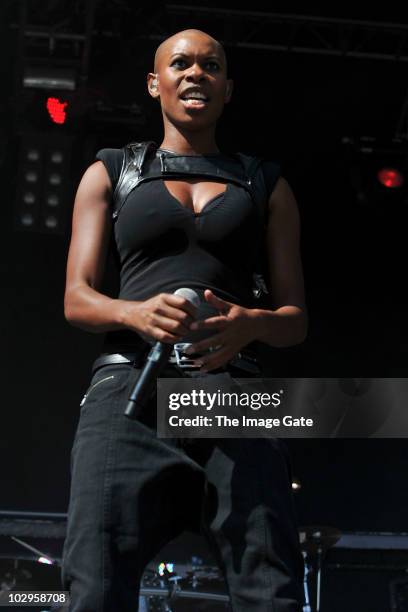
(165,586)
(171,587)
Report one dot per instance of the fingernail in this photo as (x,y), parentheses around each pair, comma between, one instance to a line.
(198,363)
(193,326)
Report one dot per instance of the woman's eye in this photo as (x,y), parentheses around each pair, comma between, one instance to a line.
(178,61)
(213,65)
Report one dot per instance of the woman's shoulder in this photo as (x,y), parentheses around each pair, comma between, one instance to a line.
(112,157)
(113,160)
(272,171)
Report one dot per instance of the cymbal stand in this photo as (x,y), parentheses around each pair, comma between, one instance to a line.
(306,606)
(51,560)
(319,575)
(170,583)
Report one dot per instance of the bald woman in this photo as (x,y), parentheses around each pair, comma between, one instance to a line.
(132,492)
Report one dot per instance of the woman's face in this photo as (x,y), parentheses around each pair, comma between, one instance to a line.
(190,80)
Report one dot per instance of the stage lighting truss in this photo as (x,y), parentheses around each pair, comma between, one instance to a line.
(377,171)
(43,183)
(49,78)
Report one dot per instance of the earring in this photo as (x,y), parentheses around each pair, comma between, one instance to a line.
(154,84)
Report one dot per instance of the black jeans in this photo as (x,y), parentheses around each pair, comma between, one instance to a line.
(132,492)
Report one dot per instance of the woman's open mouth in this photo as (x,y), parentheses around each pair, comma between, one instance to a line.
(196,101)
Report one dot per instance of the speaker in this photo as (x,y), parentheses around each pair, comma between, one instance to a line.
(399,594)
(364,581)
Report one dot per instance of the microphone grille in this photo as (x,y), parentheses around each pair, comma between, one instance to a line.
(190,295)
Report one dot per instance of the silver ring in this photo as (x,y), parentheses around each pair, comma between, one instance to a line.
(214,348)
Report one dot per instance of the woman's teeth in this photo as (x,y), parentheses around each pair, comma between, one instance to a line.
(194,102)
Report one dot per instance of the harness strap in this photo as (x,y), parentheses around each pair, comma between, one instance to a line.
(243,170)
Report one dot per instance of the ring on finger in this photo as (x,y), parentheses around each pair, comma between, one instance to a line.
(215,348)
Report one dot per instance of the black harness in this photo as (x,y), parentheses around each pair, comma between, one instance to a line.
(243,170)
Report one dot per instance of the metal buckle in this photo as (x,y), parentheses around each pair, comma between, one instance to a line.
(246,362)
(182,360)
(241,361)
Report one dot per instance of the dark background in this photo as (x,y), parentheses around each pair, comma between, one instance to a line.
(290,106)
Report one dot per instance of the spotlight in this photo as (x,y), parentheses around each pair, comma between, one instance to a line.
(296,484)
(33,155)
(376,171)
(51,222)
(56,110)
(57,157)
(27,220)
(31,176)
(44,182)
(390,178)
(29,198)
(52,200)
(54,179)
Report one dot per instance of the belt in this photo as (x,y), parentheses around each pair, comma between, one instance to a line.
(245,360)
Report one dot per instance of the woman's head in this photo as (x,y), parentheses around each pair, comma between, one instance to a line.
(190,64)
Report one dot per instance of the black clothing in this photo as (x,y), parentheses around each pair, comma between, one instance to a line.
(132,492)
(112,158)
(161,245)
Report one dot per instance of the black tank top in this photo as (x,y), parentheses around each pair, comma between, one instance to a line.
(161,245)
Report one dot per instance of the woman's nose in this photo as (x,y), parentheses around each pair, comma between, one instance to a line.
(195,72)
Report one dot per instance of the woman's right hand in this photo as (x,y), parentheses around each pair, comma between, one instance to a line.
(165,317)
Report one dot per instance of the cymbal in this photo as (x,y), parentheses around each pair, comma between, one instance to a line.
(315,538)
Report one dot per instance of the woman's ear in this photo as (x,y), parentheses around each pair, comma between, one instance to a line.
(228,91)
(152,85)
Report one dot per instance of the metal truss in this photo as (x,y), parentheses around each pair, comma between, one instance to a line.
(296,33)
(61,36)
(239,29)
(304,34)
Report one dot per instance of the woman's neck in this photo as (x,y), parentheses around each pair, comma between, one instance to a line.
(190,144)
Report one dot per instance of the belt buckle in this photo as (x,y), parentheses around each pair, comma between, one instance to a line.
(245,362)
(182,360)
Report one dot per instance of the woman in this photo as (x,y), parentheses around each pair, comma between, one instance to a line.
(132,492)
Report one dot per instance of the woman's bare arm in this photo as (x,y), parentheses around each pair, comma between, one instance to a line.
(287,324)
(84,306)
(164,317)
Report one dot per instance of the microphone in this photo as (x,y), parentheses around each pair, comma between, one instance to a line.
(156,360)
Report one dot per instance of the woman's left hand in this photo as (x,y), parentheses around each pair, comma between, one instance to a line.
(236,327)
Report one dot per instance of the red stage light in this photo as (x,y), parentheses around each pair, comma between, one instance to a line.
(390,177)
(56,110)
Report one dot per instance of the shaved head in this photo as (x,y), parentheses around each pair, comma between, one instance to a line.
(163,49)
(190,58)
